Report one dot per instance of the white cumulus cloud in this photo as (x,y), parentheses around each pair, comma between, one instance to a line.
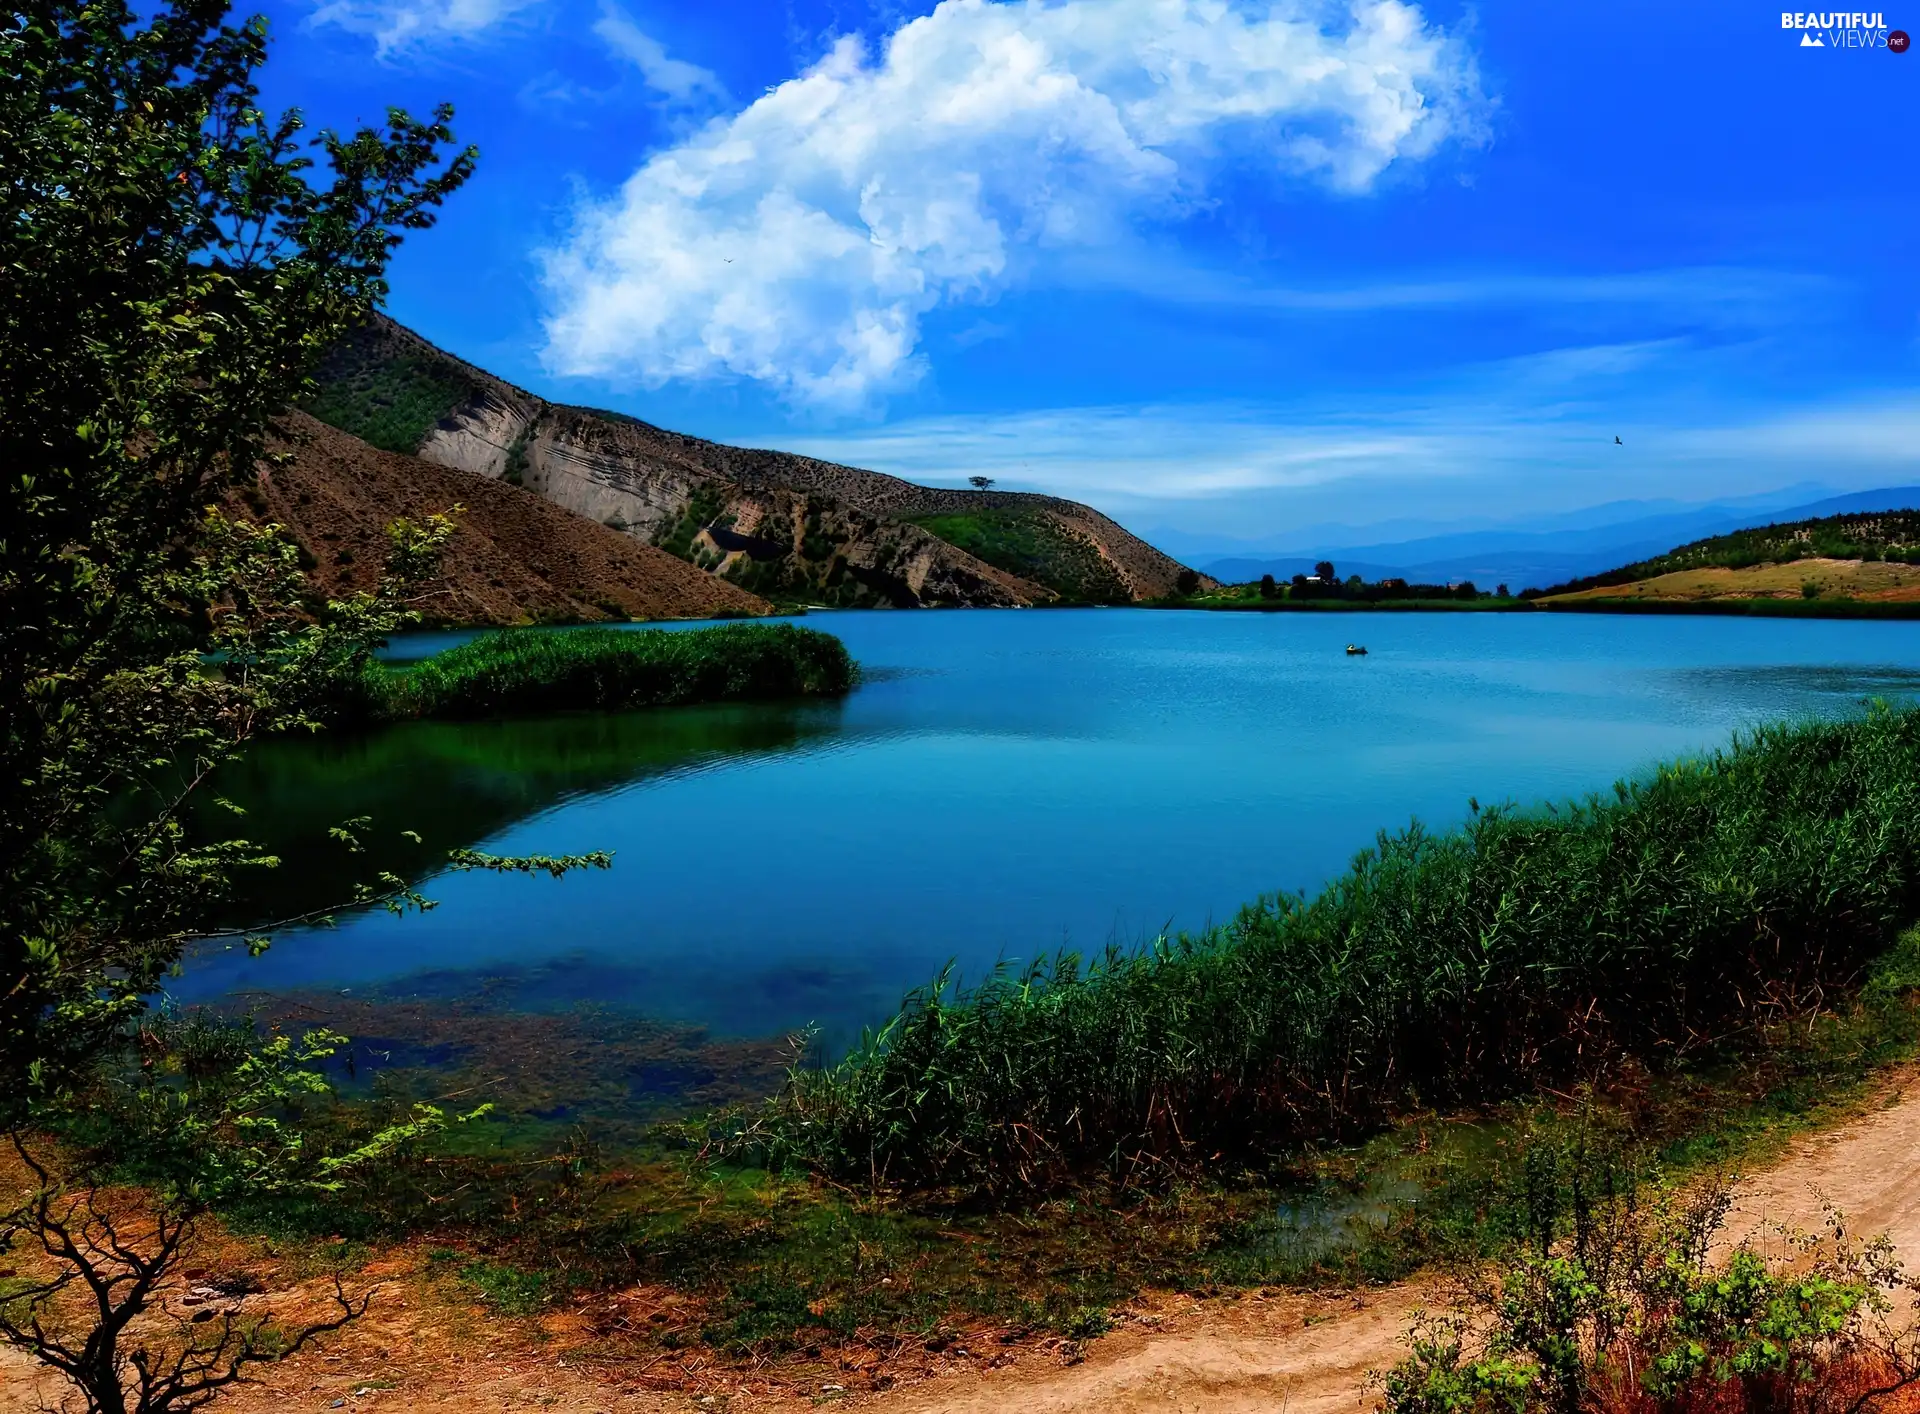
(801,241)
(397,25)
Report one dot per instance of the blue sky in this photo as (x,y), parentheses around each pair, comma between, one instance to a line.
(1222,267)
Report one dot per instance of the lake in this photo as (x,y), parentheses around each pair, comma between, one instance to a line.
(1003,784)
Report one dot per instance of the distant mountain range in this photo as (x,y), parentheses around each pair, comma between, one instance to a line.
(1528,558)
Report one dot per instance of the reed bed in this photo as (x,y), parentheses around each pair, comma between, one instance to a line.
(520,671)
(1528,949)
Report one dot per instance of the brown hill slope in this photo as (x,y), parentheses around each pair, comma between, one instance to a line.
(790,526)
(515,557)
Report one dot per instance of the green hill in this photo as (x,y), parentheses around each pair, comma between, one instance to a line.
(1869,537)
(1034,546)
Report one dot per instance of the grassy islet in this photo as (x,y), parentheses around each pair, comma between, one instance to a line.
(519,671)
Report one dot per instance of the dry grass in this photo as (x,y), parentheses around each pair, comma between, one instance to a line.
(1881,580)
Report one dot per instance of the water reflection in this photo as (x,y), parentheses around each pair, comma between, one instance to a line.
(455,785)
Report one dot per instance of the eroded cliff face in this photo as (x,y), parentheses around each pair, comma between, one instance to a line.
(514,558)
(789,527)
(767,539)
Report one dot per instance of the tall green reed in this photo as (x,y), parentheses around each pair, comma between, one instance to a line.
(1527,949)
(521,670)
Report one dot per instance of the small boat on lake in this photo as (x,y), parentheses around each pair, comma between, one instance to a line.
(1356,650)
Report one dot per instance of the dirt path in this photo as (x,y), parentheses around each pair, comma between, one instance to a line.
(1869,1169)
(1248,1356)
(1290,1352)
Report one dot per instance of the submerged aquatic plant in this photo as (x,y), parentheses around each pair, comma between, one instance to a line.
(1527,948)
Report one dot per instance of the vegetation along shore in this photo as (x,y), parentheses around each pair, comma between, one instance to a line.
(518,671)
(1418,1065)
(1530,948)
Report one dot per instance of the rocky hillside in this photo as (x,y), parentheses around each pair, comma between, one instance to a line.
(788,527)
(515,557)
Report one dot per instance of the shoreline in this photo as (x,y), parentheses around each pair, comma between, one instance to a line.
(1743,608)
(1712,608)
(1722,608)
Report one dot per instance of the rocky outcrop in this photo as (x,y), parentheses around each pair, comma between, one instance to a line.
(515,557)
(791,527)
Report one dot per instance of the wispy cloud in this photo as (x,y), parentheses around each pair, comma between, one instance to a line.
(400,25)
(1136,455)
(673,79)
(1871,432)
(1733,294)
(981,331)
(1247,469)
(802,242)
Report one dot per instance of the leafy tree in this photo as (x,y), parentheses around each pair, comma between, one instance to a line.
(1268,589)
(980,483)
(174,260)
(1323,571)
(172,268)
(1500,591)
(1186,582)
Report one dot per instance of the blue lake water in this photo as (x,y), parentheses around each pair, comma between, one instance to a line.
(1002,784)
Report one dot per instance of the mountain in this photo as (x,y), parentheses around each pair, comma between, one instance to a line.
(1887,498)
(790,528)
(514,557)
(1533,558)
(1333,539)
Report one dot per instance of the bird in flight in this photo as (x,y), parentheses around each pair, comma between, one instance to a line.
(1618,443)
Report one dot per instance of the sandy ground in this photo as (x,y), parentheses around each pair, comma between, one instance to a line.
(1868,1169)
(1872,580)
(1171,1355)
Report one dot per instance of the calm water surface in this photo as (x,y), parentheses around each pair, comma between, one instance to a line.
(1003,784)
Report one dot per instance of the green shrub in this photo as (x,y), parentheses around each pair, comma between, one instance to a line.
(1035,546)
(703,508)
(1528,948)
(520,670)
(1627,1307)
(391,403)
